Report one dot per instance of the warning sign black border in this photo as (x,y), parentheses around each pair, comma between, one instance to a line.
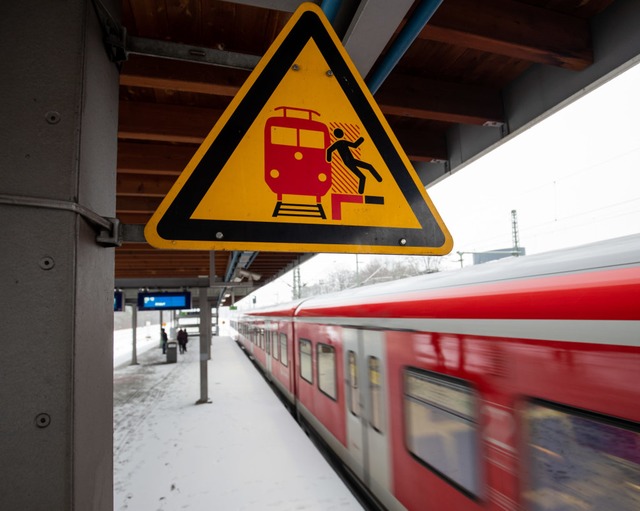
(176,223)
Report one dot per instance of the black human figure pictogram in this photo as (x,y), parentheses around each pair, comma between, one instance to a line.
(343,147)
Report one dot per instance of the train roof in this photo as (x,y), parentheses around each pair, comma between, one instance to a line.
(614,253)
(281,309)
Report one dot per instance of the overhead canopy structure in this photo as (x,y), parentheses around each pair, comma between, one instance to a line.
(454,78)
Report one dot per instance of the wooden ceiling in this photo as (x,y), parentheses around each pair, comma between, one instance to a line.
(455,76)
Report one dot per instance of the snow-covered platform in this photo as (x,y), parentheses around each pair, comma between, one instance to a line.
(243,451)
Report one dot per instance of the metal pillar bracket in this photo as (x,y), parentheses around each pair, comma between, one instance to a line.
(114,34)
(133,233)
(109,231)
(111,237)
(120,45)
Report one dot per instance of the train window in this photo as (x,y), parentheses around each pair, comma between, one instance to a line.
(326,360)
(284,355)
(306,369)
(580,461)
(375,388)
(284,136)
(352,384)
(312,139)
(441,430)
(267,341)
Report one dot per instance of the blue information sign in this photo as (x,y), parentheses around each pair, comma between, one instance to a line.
(118,301)
(164,301)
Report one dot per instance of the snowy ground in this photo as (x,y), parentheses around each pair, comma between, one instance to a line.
(241,452)
(147,337)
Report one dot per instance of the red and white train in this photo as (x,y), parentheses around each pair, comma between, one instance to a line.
(505,386)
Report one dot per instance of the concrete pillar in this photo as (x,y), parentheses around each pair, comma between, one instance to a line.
(58,146)
(134,335)
(205,344)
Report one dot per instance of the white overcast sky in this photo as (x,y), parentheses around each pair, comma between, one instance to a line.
(573,178)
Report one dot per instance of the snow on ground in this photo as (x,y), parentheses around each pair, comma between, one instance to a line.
(241,452)
(147,337)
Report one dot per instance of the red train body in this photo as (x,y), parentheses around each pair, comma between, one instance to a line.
(295,154)
(511,385)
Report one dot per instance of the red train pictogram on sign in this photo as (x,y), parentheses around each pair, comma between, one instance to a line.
(295,160)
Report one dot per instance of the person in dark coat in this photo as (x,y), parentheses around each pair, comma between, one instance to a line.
(183,339)
(165,339)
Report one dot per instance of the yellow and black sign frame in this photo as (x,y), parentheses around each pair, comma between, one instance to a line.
(172,225)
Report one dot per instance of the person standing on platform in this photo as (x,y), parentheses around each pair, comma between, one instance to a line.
(165,338)
(183,339)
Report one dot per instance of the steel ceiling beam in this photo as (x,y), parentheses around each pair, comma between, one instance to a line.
(407,35)
(185,52)
(276,5)
(371,29)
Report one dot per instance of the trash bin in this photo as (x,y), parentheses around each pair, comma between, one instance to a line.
(172,352)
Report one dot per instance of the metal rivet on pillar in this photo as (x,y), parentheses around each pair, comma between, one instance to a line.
(46,263)
(53,117)
(43,420)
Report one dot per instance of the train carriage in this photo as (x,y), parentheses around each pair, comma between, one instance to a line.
(510,385)
(274,356)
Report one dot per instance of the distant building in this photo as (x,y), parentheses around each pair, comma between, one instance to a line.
(493,255)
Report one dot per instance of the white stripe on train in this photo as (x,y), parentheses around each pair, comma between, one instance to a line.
(617,333)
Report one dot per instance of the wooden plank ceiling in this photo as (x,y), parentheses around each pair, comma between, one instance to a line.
(453,73)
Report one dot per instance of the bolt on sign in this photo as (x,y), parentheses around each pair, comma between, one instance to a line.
(302,160)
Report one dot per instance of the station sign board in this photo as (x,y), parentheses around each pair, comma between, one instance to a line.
(161,301)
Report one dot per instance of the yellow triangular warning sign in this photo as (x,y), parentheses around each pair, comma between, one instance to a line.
(301,160)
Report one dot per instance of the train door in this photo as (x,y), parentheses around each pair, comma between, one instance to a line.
(366,407)
(353,401)
(377,424)
(251,334)
(267,348)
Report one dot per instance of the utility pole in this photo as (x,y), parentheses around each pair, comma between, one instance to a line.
(297,289)
(515,236)
(514,233)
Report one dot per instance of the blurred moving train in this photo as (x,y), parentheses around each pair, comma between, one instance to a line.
(504,386)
